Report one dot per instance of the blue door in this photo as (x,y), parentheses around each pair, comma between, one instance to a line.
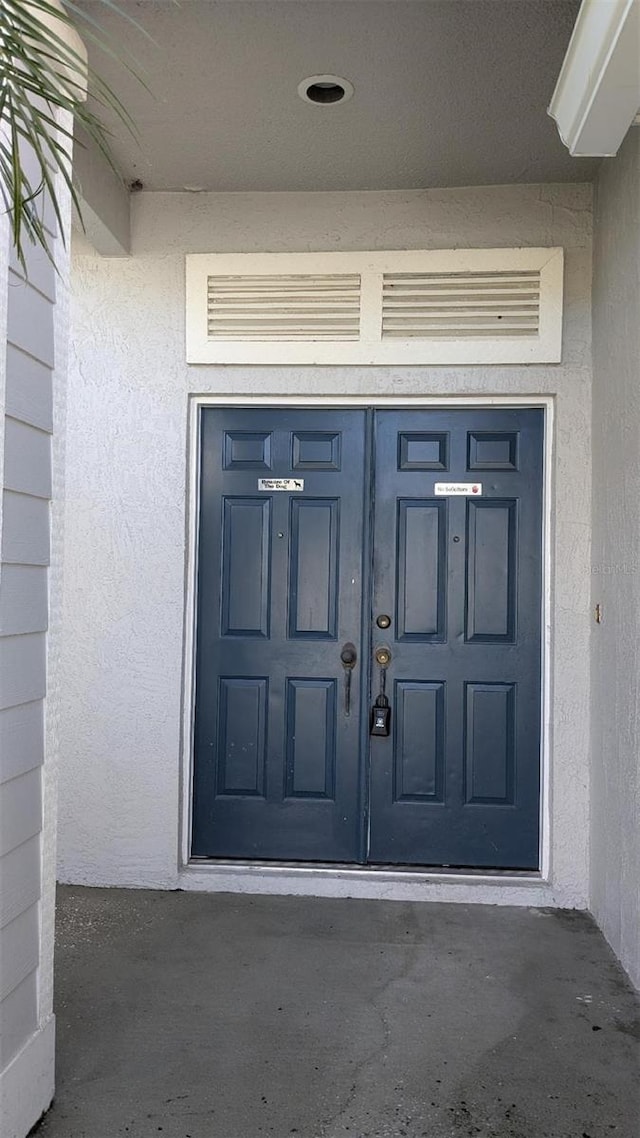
(277,758)
(343,553)
(460,574)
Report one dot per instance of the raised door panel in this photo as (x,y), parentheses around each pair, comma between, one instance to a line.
(242,735)
(491,570)
(247,450)
(246,547)
(490,743)
(421,569)
(419,742)
(313,575)
(311,738)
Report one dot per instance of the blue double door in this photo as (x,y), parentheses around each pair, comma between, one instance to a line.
(346,551)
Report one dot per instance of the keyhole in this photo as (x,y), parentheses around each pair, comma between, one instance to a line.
(456,538)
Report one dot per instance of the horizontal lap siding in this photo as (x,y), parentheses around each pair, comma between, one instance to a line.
(20,811)
(25,530)
(29,395)
(21,739)
(30,317)
(22,669)
(27,459)
(20,880)
(23,599)
(18,1015)
(26,487)
(19,950)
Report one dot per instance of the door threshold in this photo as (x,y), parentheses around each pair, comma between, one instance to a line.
(241,864)
(388,883)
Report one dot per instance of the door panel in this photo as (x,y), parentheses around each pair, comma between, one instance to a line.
(491,570)
(277,769)
(489,731)
(245,566)
(311,738)
(421,541)
(242,735)
(457,782)
(419,773)
(313,574)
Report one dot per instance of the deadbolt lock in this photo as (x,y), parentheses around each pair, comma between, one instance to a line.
(383,620)
(383,657)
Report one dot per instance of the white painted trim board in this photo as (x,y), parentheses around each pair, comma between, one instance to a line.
(27,1084)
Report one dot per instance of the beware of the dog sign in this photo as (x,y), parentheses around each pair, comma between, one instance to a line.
(281,484)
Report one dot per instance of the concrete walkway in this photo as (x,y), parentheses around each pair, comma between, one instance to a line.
(204,1016)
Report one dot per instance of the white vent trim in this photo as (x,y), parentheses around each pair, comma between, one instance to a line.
(451,306)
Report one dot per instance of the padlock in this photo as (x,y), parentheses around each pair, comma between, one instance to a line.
(381,716)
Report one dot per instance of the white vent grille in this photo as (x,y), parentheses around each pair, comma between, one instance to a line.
(418,307)
(460,305)
(280,307)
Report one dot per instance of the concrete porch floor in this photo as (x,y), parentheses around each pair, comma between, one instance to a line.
(219,1016)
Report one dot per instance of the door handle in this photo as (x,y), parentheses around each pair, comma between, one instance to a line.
(348,659)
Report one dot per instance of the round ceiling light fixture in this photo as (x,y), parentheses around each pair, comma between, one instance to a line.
(325,90)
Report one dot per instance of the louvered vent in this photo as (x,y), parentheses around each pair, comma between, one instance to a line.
(414,307)
(277,308)
(458,306)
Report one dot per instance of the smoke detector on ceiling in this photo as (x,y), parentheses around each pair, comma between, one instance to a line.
(325,90)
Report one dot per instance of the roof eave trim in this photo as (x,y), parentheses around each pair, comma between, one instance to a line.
(597,95)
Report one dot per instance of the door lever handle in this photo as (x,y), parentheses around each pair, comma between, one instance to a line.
(348,659)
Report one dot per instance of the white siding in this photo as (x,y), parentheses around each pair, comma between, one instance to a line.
(18,1016)
(20,879)
(27,459)
(25,530)
(23,599)
(34,327)
(26,486)
(21,739)
(19,950)
(38,271)
(30,320)
(29,391)
(20,811)
(22,669)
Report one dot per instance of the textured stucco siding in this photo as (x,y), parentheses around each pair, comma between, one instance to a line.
(615,780)
(126,493)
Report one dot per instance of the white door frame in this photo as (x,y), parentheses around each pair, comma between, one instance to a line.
(515,887)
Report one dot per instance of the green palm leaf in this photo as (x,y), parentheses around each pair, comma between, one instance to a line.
(41,75)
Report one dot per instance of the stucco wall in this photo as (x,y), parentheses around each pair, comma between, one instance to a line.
(615,781)
(126,491)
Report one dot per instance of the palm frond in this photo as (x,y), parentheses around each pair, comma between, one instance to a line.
(41,74)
